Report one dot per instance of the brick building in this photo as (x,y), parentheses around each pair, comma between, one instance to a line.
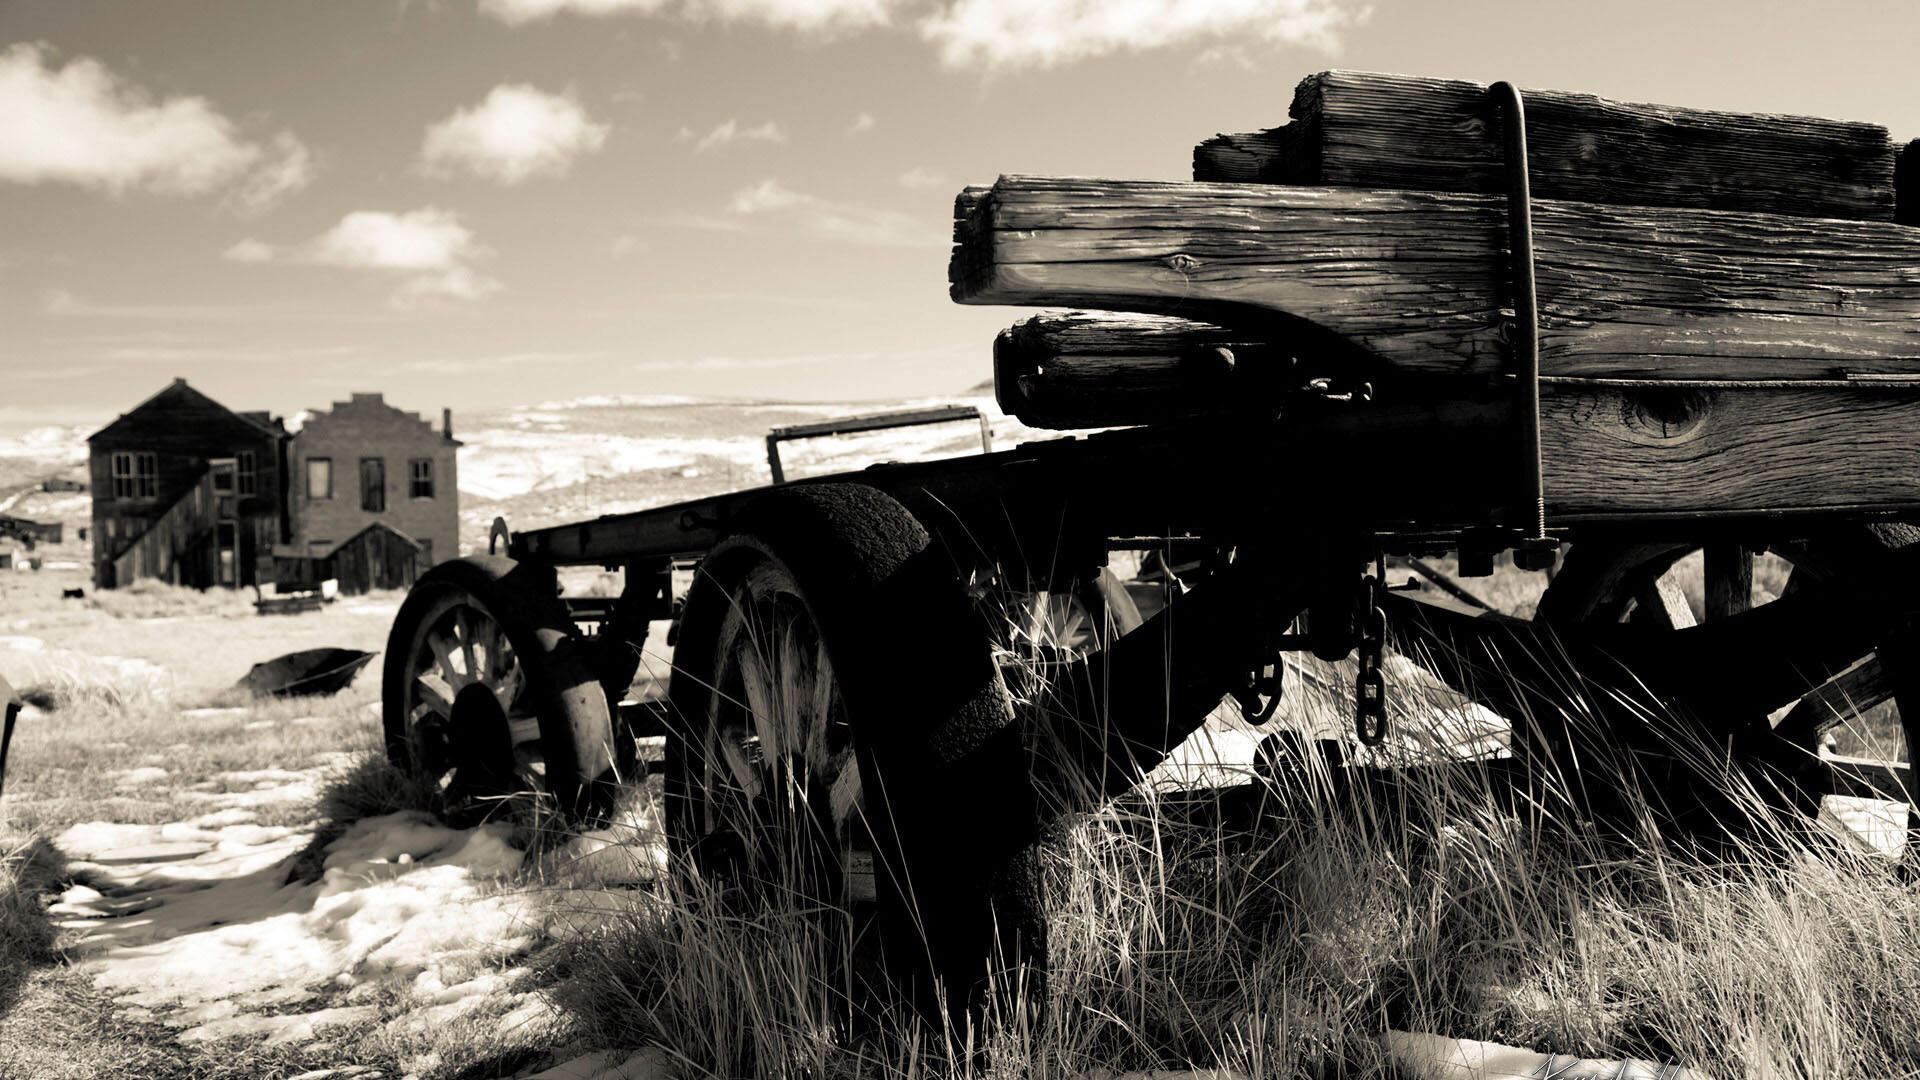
(365,465)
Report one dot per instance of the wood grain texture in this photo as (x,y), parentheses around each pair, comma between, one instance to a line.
(1604,449)
(1728,450)
(1088,369)
(1418,279)
(1363,129)
(1906,185)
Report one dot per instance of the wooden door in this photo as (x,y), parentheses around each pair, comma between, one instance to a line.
(373,485)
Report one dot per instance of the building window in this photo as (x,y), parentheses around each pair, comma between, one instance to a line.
(135,475)
(245,468)
(222,477)
(420,469)
(373,485)
(319,478)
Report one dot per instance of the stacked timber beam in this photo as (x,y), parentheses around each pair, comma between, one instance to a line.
(1755,265)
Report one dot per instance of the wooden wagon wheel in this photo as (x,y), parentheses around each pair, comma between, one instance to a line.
(1638,584)
(839,735)
(486,696)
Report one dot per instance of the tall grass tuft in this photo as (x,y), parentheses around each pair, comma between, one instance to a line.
(30,868)
(1286,939)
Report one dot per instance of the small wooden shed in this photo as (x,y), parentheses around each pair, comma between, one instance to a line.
(377,557)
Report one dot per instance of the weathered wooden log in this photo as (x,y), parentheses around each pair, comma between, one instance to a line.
(1906,185)
(1088,369)
(1362,129)
(1419,279)
(1605,448)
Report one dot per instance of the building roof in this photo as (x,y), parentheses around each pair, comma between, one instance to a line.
(179,391)
(364,401)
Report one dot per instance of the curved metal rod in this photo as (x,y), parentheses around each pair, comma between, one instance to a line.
(1526,297)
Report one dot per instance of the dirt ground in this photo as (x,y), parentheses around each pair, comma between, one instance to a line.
(216,914)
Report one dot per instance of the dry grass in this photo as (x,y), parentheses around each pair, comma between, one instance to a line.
(1288,949)
(1176,941)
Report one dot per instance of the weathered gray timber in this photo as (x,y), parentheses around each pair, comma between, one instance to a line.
(1088,369)
(1361,129)
(1418,279)
(1605,449)
(1728,450)
(1906,185)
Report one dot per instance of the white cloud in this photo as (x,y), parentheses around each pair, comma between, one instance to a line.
(831,219)
(921,178)
(518,132)
(428,250)
(861,124)
(1045,33)
(82,124)
(818,15)
(730,131)
(805,15)
(249,251)
(1000,34)
(767,195)
(284,169)
(519,12)
(429,239)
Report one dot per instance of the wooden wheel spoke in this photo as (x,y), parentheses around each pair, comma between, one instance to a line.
(523,729)
(746,774)
(821,728)
(507,690)
(1852,692)
(435,693)
(1663,605)
(1729,584)
(443,656)
(845,792)
(497,653)
(463,632)
(756,686)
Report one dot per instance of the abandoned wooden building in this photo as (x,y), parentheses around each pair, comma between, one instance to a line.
(190,492)
(187,491)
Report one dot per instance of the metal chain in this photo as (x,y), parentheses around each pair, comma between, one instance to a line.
(1370,687)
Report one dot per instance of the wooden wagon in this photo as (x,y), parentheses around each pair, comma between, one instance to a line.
(1391,327)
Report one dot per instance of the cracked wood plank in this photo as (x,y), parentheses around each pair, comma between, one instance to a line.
(1373,130)
(1418,279)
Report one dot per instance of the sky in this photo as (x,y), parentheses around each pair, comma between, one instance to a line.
(484,203)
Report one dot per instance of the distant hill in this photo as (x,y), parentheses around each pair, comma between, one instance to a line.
(47,453)
(562,461)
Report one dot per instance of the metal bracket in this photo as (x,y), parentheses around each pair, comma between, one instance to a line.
(1535,549)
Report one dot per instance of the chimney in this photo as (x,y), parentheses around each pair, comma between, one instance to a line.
(446,422)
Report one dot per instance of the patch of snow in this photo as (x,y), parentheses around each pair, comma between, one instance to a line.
(267,793)
(213,713)
(282,1029)
(143,776)
(218,818)
(1435,1057)
(647,1064)
(64,443)
(606,401)
(21,643)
